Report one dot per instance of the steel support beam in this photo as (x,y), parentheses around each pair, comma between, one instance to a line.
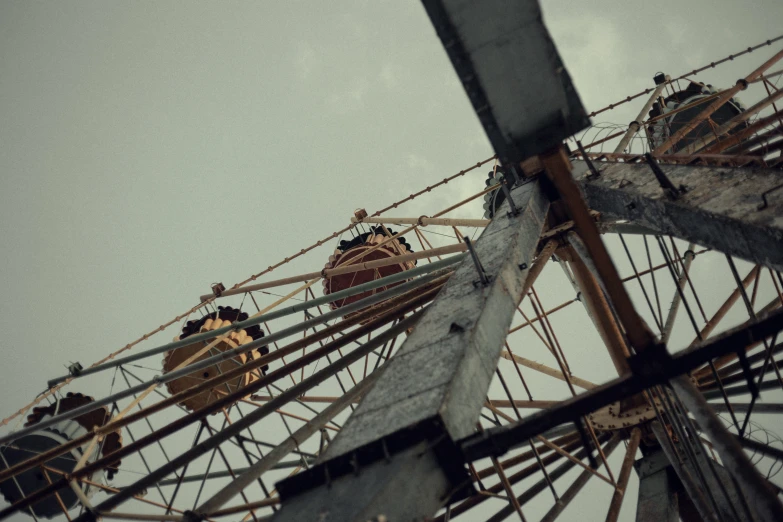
(738,211)
(648,370)
(396,444)
(599,311)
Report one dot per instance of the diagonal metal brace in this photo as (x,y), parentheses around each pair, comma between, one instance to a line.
(594,172)
(743,360)
(507,192)
(666,184)
(586,443)
(484,278)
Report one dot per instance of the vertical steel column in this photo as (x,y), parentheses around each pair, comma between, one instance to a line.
(392,456)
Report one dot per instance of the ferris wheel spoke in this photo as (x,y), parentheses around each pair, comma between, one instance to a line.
(555,475)
(568,443)
(187,419)
(281,450)
(625,473)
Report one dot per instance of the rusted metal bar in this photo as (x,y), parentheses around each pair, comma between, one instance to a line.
(726,306)
(600,312)
(765,77)
(559,170)
(106,488)
(719,101)
(537,266)
(256,415)
(57,495)
(348,269)
(657,317)
(220,379)
(769,148)
(507,487)
(220,403)
(748,147)
(740,376)
(575,460)
(423,221)
(722,361)
(625,473)
(743,134)
(533,320)
(568,442)
(733,122)
(500,439)
(281,450)
(551,338)
(558,472)
(430,269)
(683,108)
(736,367)
(391,408)
(566,498)
(520,475)
(546,370)
(662,265)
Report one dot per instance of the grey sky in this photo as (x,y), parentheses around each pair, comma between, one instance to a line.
(149,149)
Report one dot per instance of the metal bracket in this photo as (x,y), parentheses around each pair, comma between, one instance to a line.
(484,278)
(507,192)
(766,193)
(218,289)
(594,172)
(75,369)
(666,184)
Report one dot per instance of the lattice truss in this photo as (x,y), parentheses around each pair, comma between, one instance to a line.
(263,376)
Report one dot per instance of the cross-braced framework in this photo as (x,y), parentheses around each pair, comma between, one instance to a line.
(450,366)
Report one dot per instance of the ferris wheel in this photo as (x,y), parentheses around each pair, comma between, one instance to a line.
(606,318)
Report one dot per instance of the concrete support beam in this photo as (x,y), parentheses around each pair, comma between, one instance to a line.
(723,207)
(657,490)
(431,392)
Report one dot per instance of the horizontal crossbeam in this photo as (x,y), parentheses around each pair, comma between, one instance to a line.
(738,211)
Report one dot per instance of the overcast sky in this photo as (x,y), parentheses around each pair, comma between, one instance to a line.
(149,149)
